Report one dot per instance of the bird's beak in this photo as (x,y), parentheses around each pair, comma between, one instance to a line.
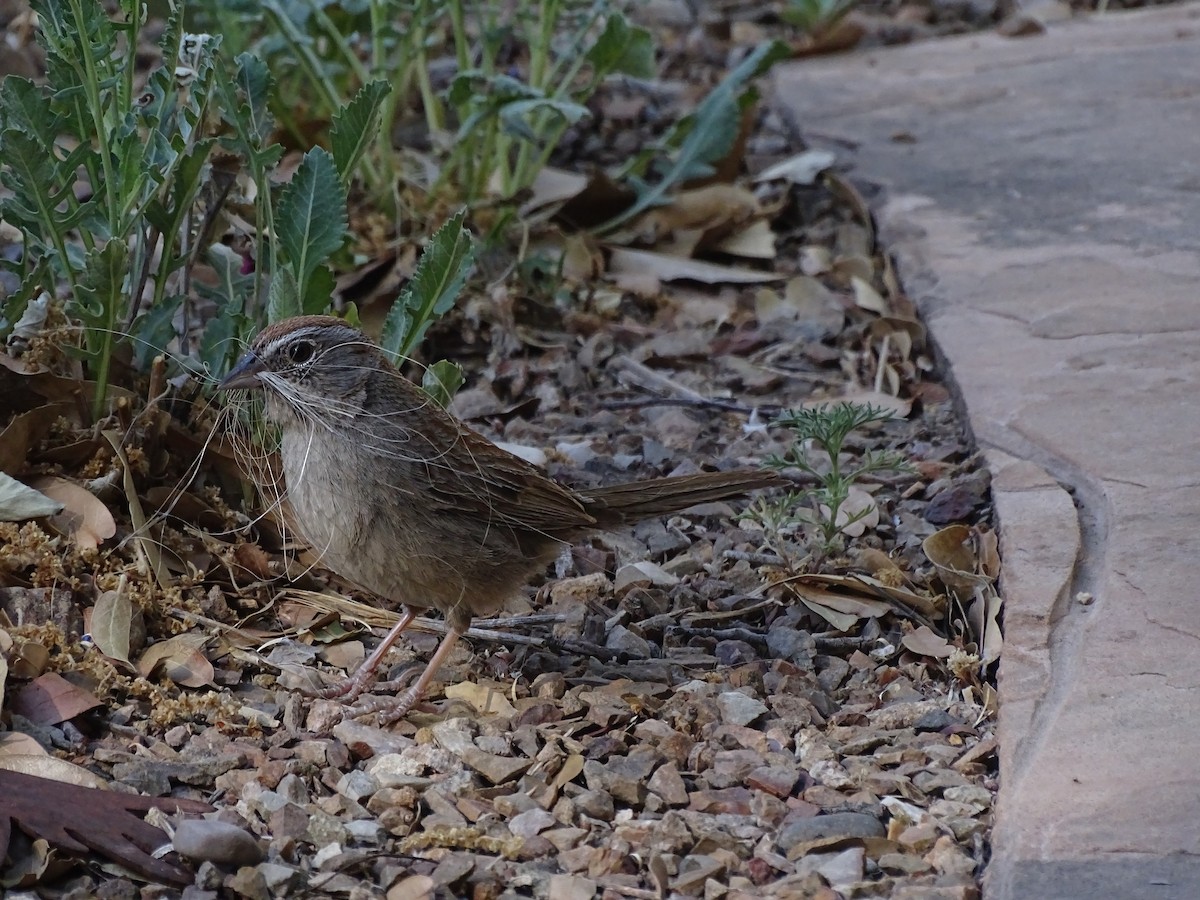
(244,375)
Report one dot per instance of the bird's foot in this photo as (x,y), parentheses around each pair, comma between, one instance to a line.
(388,709)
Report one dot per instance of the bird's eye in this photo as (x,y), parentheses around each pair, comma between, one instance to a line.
(301,352)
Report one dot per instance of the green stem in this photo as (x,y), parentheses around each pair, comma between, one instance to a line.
(90,82)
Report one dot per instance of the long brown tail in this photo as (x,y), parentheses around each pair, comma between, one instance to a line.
(623,504)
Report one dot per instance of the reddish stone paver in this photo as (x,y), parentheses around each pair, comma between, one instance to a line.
(1043,198)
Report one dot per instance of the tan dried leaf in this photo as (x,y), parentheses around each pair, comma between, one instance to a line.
(926,642)
(486,699)
(50,699)
(84,517)
(180,659)
(112,620)
(625,261)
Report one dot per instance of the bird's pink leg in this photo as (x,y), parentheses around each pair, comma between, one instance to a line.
(395,708)
(351,687)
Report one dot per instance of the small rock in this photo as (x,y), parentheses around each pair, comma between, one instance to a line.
(739,709)
(668,784)
(356,785)
(549,686)
(281,880)
(836,868)
(734,653)
(980,798)
(949,859)
(839,825)
(777,780)
(730,767)
(903,863)
(293,790)
(324,829)
(695,872)
(622,776)
(623,640)
(596,805)
(248,882)
(289,822)
(571,887)
(934,720)
(532,822)
(496,769)
(216,842)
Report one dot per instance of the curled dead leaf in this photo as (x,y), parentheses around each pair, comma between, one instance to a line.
(50,699)
(84,516)
(180,660)
(484,698)
(669,268)
(925,642)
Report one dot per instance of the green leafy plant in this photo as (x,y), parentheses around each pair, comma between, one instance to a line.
(102,175)
(435,285)
(117,189)
(697,142)
(818,438)
(501,117)
(816,17)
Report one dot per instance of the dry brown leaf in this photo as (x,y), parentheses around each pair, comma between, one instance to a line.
(25,430)
(757,241)
(50,699)
(668,268)
(84,517)
(14,743)
(29,659)
(954,558)
(180,659)
(551,186)
(41,765)
(709,208)
(864,585)
(78,818)
(572,767)
(582,260)
(484,698)
(857,503)
(18,501)
(983,615)
(414,887)
(148,549)
(925,642)
(3,678)
(111,622)
(866,297)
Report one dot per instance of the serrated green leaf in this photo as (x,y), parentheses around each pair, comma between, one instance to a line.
(310,221)
(254,87)
(100,291)
(355,126)
(283,298)
(433,288)
(622,47)
(441,381)
(25,107)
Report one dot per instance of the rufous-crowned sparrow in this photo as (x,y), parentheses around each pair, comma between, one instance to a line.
(402,499)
